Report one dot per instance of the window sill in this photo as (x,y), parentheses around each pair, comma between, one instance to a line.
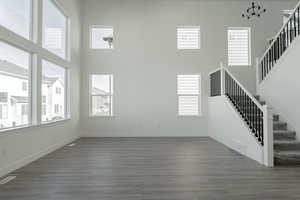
(7,130)
(53,122)
(100,116)
(190,116)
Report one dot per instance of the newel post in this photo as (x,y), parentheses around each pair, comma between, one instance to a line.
(258,76)
(268,148)
(222,79)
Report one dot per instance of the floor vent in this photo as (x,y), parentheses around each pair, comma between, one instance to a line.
(7,179)
(72,145)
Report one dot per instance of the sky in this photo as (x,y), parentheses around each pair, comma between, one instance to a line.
(15,15)
(52,70)
(14,55)
(101,82)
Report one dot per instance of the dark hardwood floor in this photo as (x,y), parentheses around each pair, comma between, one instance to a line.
(150,169)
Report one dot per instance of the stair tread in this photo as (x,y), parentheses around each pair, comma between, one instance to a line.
(286,142)
(289,153)
(284,135)
(279,131)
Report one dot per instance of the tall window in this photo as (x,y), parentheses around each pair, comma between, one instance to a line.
(188,38)
(101,37)
(239,48)
(14,72)
(101,95)
(16,16)
(53,78)
(54,29)
(188,90)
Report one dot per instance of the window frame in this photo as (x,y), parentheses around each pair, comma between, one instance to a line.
(189,27)
(249,45)
(111,96)
(199,95)
(91,36)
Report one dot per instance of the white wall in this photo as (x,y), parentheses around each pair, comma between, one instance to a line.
(226,126)
(19,147)
(281,87)
(145,60)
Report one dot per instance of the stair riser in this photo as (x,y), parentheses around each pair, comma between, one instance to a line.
(284,136)
(286,147)
(287,161)
(280,126)
(276,117)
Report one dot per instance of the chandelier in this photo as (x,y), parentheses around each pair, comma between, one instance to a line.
(255,9)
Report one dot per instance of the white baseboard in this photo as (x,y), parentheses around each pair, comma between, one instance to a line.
(29,159)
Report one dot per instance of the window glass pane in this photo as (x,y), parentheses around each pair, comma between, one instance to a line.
(16,16)
(102,38)
(188,84)
(101,105)
(101,84)
(188,38)
(188,105)
(53,103)
(101,91)
(14,72)
(239,47)
(54,29)
(188,90)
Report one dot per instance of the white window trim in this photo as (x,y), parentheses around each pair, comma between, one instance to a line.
(90,37)
(199,97)
(199,36)
(112,94)
(249,45)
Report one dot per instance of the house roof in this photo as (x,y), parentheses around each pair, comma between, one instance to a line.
(51,80)
(97,91)
(20,99)
(8,68)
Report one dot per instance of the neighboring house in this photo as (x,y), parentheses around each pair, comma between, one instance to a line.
(101,102)
(13,95)
(53,98)
(14,87)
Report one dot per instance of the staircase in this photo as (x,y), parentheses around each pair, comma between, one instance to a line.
(279,145)
(286,147)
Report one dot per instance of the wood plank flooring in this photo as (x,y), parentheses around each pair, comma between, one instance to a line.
(150,169)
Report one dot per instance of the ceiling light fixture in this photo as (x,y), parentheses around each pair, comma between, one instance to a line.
(255,9)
